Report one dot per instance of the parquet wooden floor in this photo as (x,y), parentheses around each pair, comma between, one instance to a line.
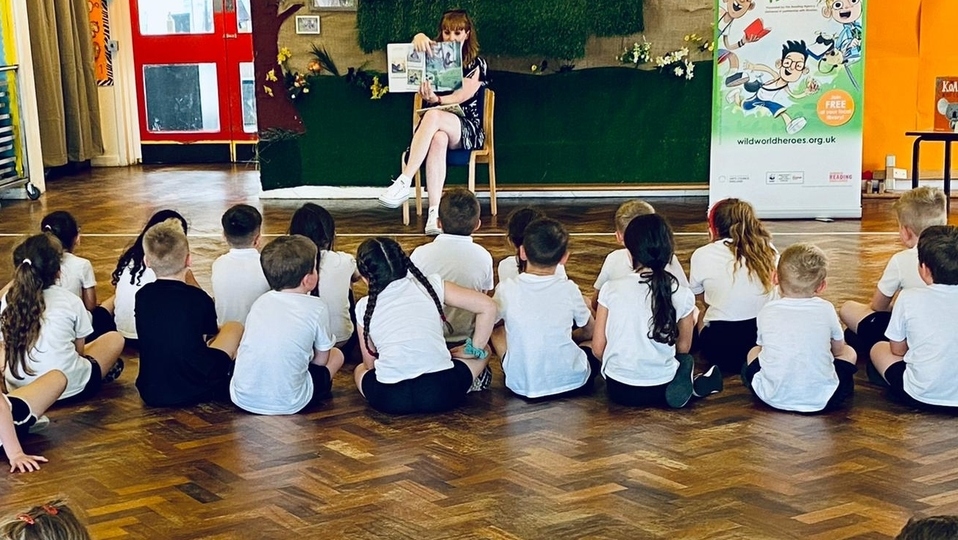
(499,468)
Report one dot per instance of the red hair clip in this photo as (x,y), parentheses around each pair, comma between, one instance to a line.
(50,509)
(26,518)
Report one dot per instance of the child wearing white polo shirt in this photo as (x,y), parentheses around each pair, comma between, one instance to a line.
(455,257)
(919,360)
(801,362)
(237,276)
(286,359)
(539,307)
(618,263)
(643,326)
(516,224)
(916,210)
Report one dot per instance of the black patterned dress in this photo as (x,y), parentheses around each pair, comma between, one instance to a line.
(472,134)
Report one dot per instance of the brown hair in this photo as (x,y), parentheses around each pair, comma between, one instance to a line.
(52,521)
(459,212)
(938,250)
(921,208)
(287,260)
(630,210)
(36,264)
(750,242)
(802,269)
(930,528)
(458,19)
(165,248)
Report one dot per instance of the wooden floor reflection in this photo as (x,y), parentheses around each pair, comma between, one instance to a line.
(499,467)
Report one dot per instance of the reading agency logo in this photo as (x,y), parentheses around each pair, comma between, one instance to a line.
(836,107)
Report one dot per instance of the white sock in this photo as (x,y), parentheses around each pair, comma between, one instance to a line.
(404,179)
(433,210)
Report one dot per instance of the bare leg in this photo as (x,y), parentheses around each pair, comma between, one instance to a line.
(498,341)
(358,374)
(883,358)
(109,304)
(334,362)
(852,313)
(757,351)
(436,167)
(43,392)
(228,338)
(847,355)
(106,350)
(431,122)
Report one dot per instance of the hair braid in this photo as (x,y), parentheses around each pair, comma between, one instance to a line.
(367,319)
(381,261)
(417,273)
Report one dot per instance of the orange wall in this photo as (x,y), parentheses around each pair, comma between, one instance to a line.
(909,44)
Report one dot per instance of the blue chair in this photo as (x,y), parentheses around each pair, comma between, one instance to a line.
(464,158)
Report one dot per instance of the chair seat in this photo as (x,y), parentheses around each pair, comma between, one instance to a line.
(458,157)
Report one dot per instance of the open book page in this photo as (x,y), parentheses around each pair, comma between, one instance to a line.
(408,68)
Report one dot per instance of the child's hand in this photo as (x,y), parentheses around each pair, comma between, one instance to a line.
(25,463)
(460,353)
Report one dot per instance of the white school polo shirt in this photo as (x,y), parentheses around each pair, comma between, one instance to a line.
(798,370)
(732,294)
(238,281)
(541,358)
(901,272)
(406,330)
(64,320)
(283,331)
(125,300)
(459,260)
(336,271)
(927,318)
(76,274)
(619,264)
(630,356)
(508,269)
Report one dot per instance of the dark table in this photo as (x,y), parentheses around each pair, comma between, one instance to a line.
(946,137)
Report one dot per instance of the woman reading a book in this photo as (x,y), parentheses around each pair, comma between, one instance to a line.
(440,130)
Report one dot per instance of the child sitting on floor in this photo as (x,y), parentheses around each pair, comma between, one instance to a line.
(237,276)
(516,224)
(919,360)
(23,408)
(174,320)
(801,362)
(286,360)
(539,307)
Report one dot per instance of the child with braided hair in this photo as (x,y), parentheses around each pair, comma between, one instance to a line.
(406,367)
(732,278)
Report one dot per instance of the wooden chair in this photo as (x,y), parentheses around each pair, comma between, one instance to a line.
(486,154)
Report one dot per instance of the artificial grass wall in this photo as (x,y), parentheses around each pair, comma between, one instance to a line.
(592,126)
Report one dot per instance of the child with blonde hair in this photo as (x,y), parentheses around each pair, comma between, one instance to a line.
(44,326)
(801,362)
(52,521)
(916,210)
(732,278)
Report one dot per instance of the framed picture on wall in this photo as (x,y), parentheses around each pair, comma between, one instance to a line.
(307,24)
(333,5)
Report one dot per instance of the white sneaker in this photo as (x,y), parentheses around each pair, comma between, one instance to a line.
(795,126)
(432,223)
(396,194)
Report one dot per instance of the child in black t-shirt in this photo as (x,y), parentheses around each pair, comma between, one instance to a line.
(178,366)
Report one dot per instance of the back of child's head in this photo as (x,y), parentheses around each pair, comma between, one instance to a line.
(518,220)
(382,261)
(938,250)
(651,245)
(802,269)
(930,528)
(166,248)
(921,208)
(132,258)
(751,243)
(62,225)
(52,521)
(241,225)
(546,242)
(36,263)
(629,210)
(459,212)
(316,223)
(287,260)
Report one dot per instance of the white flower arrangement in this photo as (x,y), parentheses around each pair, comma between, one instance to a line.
(677,63)
(638,54)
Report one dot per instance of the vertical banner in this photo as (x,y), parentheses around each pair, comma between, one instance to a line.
(787,106)
(100,30)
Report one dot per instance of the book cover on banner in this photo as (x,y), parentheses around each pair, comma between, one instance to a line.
(946,104)
(408,68)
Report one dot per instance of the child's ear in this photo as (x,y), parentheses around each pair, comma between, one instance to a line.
(925,274)
(478,224)
(618,237)
(564,259)
(256,240)
(189,260)
(775,280)
(821,287)
(147,261)
(522,253)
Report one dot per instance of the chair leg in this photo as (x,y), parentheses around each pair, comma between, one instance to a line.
(472,172)
(492,186)
(405,213)
(418,193)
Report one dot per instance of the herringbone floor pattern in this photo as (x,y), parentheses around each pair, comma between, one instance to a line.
(499,468)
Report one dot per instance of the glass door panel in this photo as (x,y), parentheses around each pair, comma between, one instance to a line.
(168,17)
(182,98)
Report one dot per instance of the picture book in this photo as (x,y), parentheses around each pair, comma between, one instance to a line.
(454,108)
(408,68)
(756,30)
(946,104)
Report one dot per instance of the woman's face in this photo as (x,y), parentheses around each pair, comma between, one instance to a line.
(460,35)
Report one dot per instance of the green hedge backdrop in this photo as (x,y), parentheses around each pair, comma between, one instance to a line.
(593,126)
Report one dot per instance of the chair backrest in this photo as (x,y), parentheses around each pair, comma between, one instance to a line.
(488,107)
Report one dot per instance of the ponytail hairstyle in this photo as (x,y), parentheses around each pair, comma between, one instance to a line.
(518,220)
(382,261)
(62,225)
(651,246)
(36,264)
(751,243)
(132,258)
(316,223)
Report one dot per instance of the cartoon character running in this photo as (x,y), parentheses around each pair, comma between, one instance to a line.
(788,71)
(729,12)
